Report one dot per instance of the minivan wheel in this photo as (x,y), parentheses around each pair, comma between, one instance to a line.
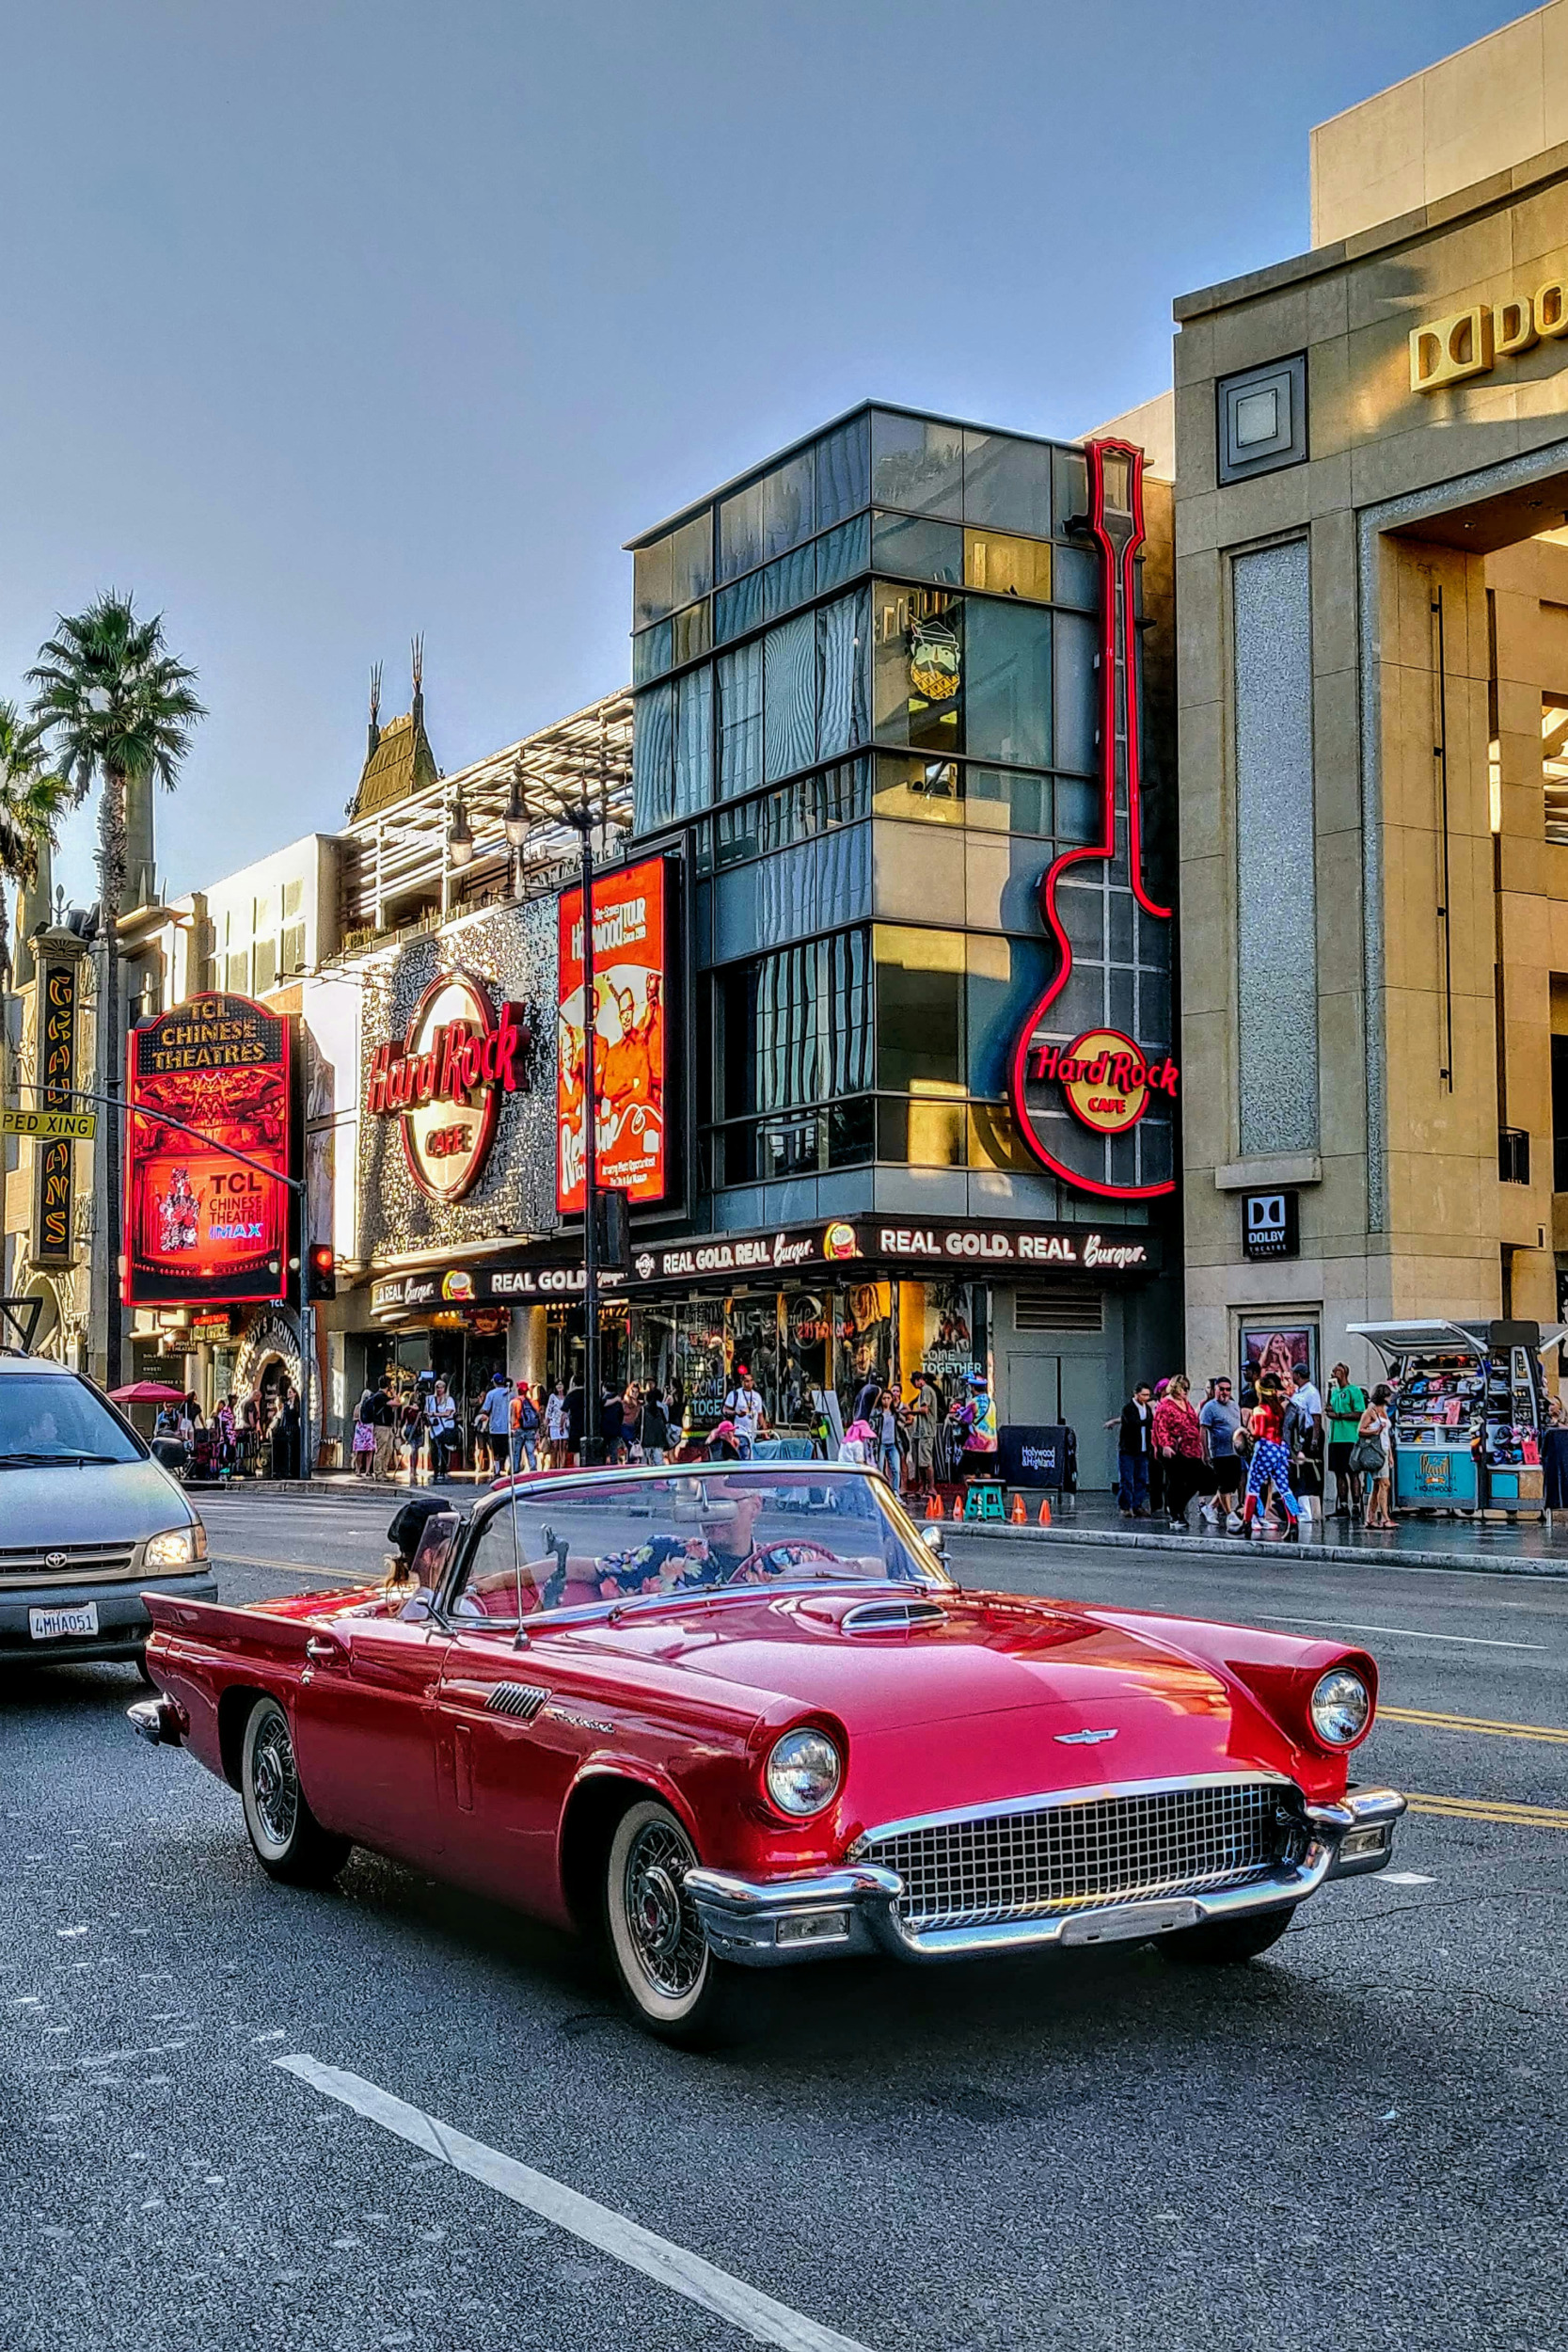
(668,1979)
(289,1842)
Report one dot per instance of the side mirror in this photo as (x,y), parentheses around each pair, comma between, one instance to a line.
(930,1535)
(417,1610)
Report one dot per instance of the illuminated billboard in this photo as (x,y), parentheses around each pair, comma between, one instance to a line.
(631,1007)
(204,1224)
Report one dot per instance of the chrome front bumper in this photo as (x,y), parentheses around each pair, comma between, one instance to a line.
(772,1923)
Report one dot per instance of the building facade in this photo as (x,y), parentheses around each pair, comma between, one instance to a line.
(1372,590)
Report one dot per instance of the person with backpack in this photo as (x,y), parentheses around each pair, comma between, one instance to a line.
(523,1427)
(745,1407)
(493,1419)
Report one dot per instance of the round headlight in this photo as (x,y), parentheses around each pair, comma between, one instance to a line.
(804,1773)
(1342,1708)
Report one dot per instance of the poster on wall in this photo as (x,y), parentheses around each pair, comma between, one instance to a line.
(203,1223)
(631,1004)
(1278,1347)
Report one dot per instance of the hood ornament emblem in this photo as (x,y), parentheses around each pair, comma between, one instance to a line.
(1084,1739)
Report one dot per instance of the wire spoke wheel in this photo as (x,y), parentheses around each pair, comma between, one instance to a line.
(275,1780)
(670,1980)
(670,1943)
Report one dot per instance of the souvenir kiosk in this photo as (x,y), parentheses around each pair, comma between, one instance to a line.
(1468,1409)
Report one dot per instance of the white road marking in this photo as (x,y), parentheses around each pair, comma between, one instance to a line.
(1406,1632)
(1404,1877)
(625,2241)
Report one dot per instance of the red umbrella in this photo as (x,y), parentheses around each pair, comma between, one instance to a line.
(148,1393)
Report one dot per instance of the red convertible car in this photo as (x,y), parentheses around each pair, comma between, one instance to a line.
(740,1717)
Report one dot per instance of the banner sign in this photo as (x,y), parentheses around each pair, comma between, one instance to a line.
(631,999)
(201,1224)
(738,1257)
(445,1078)
(51,1161)
(1032,1454)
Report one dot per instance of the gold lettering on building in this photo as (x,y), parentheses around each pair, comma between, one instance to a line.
(1470,343)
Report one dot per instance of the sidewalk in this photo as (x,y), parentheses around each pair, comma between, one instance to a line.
(1428,1541)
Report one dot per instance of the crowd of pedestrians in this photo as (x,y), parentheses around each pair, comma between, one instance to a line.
(1257,1462)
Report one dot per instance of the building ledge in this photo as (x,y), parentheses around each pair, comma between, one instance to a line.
(1260,1175)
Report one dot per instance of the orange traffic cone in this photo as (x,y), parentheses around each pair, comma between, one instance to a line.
(1019,1513)
(1045,1510)
(933,1508)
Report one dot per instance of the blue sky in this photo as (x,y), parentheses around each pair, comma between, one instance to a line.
(328,323)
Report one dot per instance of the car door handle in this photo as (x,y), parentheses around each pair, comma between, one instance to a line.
(323,1650)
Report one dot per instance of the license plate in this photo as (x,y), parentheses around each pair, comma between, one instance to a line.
(47,1624)
(1128,1923)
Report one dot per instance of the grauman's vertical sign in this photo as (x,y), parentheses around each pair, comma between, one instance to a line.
(444,1080)
(52,1160)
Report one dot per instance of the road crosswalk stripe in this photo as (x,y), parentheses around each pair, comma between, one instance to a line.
(1434,1720)
(755,2314)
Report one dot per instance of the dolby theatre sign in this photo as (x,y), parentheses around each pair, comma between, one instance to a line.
(444,1080)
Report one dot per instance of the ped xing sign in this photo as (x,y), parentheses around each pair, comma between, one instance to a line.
(67,1126)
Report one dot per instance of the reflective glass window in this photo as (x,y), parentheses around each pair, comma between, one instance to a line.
(651,578)
(1007,484)
(920,1006)
(790,696)
(690,633)
(653,754)
(929,789)
(693,740)
(842,630)
(1075,576)
(1077,684)
(1005,566)
(739,720)
(917,465)
(842,553)
(1077,813)
(918,550)
(843,471)
(790,582)
(650,654)
(1005,977)
(1069,476)
(790,504)
(995,1143)
(740,532)
(849,1132)
(920,1131)
(918,667)
(691,559)
(1008,681)
(736,609)
(999,800)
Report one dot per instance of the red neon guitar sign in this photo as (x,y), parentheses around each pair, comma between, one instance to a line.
(1092,1081)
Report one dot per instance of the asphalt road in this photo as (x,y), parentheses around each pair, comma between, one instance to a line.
(1359,2138)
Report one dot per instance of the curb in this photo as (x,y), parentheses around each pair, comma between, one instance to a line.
(1353,1555)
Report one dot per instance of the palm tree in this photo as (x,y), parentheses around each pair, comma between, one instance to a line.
(114,704)
(32,801)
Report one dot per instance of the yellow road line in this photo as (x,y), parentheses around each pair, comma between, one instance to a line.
(226,1558)
(1430,1717)
(1491,1809)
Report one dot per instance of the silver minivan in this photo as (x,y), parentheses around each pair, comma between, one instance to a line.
(87,1522)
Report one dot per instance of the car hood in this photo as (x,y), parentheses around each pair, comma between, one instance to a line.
(855,1655)
(90,1503)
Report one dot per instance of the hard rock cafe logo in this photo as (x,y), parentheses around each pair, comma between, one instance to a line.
(445,1080)
(1106,1080)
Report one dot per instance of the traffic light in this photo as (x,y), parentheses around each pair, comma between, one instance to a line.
(323,1271)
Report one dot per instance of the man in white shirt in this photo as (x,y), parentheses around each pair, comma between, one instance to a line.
(1306,1400)
(745,1408)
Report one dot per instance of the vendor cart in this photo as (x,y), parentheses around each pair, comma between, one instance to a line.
(1468,1411)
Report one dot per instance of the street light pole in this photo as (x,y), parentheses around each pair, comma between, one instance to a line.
(591,1408)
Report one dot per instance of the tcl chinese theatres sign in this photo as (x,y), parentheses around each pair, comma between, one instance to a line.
(1105,1079)
(202,1224)
(445,1078)
(628,1018)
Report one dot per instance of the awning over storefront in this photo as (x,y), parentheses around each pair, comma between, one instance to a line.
(914,1245)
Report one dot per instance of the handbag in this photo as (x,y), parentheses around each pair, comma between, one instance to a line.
(1367,1458)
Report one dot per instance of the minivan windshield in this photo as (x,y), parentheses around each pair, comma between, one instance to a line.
(600,1538)
(50,1417)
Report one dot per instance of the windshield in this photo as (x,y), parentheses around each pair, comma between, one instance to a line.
(45,1417)
(606,1538)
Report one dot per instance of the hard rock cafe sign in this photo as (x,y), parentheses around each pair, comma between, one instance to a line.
(444,1080)
(1107,1082)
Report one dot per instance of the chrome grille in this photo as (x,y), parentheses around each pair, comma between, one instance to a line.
(523,1699)
(1077,1854)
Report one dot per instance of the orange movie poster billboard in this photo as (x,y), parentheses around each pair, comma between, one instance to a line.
(200,1224)
(629,1009)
